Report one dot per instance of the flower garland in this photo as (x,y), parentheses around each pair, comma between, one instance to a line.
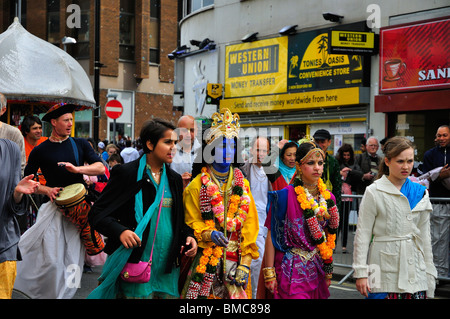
(211,205)
(238,205)
(324,210)
(202,280)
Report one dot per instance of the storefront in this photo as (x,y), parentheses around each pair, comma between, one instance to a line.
(293,83)
(414,89)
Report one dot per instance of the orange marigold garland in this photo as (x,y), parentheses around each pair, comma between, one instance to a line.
(211,205)
(314,212)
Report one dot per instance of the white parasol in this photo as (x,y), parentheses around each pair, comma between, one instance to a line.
(32,69)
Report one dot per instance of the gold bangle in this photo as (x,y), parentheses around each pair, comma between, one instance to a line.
(269,273)
(246,260)
(206,235)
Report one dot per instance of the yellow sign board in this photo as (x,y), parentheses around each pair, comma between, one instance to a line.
(293,101)
(352,41)
(256,68)
(214,90)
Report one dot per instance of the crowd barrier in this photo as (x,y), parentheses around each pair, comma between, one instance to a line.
(345,259)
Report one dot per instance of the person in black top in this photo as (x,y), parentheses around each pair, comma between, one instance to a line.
(439,157)
(56,157)
(127,212)
(60,254)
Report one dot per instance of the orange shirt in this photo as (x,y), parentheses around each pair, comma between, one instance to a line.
(29,148)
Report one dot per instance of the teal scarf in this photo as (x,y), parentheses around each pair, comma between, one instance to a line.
(115,262)
(286,171)
(413,192)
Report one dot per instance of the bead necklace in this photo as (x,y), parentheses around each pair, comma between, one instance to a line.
(56,139)
(220,178)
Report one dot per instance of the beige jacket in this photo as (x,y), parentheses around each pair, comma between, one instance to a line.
(392,245)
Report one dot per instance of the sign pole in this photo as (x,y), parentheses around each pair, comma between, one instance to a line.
(114,130)
(114,110)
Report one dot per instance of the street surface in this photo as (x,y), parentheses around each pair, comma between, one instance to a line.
(346,290)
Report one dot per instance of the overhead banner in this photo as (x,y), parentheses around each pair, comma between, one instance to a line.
(312,67)
(256,68)
(415,57)
(294,101)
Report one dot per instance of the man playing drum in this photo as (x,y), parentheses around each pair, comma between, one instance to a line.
(53,250)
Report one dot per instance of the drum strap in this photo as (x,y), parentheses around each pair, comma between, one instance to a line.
(75,150)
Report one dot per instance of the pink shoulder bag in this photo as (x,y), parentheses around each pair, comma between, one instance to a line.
(141,272)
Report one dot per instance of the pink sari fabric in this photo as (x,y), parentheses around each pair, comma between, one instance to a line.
(297,277)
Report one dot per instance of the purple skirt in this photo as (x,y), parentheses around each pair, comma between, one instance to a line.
(298,278)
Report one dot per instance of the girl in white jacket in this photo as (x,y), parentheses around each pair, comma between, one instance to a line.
(392,249)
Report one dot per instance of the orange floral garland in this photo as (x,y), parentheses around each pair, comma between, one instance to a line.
(314,211)
(211,205)
(210,256)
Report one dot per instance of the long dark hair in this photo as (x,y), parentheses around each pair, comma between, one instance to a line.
(153,131)
(303,149)
(286,146)
(340,155)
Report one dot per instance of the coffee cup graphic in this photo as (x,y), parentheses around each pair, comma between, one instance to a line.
(394,69)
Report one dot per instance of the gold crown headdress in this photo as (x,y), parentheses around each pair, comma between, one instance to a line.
(226,125)
(315,149)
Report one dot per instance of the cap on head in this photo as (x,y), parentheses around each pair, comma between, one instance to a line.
(322,135)
(58,110)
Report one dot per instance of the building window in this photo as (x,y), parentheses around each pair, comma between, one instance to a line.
(53,29)
(194,5)
(155,16)
(81,48)
(127,30)
(416,127)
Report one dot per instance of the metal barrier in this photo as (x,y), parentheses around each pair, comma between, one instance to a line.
(346,233)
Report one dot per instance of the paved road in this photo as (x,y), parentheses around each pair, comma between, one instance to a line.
(346,290)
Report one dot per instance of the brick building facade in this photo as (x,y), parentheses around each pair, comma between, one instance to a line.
(135,62)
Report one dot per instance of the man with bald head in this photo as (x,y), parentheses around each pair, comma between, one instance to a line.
(186,149)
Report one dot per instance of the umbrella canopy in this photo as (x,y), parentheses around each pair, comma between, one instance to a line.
(32,69)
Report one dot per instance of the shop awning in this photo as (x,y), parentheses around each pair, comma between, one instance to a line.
(34,70)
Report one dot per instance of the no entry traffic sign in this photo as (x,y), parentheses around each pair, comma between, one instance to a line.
(113,109)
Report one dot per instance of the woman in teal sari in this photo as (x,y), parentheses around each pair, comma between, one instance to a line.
(127,212)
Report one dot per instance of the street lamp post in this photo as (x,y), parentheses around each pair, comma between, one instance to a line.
(97,66)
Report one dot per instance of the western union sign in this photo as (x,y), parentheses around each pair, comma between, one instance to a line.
(256,68)
(254,61)
(352,42)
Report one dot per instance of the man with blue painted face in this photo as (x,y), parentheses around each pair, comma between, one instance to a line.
(220,209)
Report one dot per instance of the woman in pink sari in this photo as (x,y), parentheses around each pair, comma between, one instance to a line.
(302,222)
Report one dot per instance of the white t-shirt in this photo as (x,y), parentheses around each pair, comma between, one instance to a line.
(259,187)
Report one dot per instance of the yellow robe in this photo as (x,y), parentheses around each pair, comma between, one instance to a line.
(193,217)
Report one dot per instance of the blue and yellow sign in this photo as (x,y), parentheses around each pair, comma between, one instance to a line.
(312,67)
(270,74)
(256,68)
